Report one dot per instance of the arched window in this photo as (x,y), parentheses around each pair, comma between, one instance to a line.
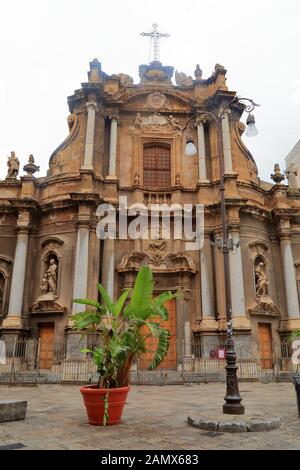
(157,166)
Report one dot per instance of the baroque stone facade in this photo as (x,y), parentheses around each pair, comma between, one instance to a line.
(128,139)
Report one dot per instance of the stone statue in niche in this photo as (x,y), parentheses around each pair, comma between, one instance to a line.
(13,164)
(49,280)
(261,280)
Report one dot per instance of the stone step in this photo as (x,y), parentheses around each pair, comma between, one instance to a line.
(11,410)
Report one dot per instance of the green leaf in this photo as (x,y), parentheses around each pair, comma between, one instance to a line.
(92,303)
(89,318)
(143,289)
(121,301)
(106,299)
(294,335)
(162,349)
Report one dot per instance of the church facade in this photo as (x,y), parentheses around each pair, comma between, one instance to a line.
(129,140)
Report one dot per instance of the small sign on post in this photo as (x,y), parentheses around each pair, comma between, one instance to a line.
(221,353)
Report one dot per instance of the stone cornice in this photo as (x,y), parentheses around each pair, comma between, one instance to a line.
(24,204)
(256,211)
(285,213)
(87,198)
(9,183)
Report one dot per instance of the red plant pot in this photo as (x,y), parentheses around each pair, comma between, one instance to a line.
(94,400)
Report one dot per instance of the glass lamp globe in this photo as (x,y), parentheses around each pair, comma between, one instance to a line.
(190,148)
(251,127)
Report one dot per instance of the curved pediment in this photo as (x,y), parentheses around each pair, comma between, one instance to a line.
(158,261)
(151,100)
(51,240)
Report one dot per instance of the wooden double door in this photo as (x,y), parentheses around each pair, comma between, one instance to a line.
(170,361)
(46,338)
(265,345)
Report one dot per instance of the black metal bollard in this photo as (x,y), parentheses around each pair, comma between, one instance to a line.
(297,388)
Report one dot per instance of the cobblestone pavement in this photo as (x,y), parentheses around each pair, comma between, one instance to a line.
(154,418)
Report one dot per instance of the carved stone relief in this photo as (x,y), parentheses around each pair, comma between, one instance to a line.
(157,100)
(159,259)
(157,123)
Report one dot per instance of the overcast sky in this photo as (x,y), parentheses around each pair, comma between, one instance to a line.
(46,47)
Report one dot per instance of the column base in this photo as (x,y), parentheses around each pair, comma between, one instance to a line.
(69,325)
(111,178)
(187,364)
(87,168)
(208,324)
(290,325)
(204,180)
(13,322)
(241,324)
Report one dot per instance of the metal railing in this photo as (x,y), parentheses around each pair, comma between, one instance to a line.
(28,361)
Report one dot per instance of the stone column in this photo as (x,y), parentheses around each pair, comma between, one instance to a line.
(236,276)
(208,325)
(206,281)
(81,263)
(201,151)
(289,277)
(89,137)
(187,334)
(226,144)
(108,271)
(113,147)
(14,317)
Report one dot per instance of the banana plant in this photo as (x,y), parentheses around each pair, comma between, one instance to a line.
(124,327)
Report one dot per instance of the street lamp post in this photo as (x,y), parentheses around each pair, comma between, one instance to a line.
(232,398)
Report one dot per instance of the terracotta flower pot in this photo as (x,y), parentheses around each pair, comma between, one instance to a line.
(94,400)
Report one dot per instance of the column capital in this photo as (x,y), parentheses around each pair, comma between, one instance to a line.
(114,117)
(285,236)
(82,223)
(22,230)
(200,120)
(92,105)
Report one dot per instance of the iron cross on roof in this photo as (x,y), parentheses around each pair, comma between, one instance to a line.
(155,36)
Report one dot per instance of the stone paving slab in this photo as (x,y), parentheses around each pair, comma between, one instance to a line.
(154,418)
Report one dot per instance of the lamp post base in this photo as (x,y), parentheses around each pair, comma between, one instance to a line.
(233,409)
(233,399)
